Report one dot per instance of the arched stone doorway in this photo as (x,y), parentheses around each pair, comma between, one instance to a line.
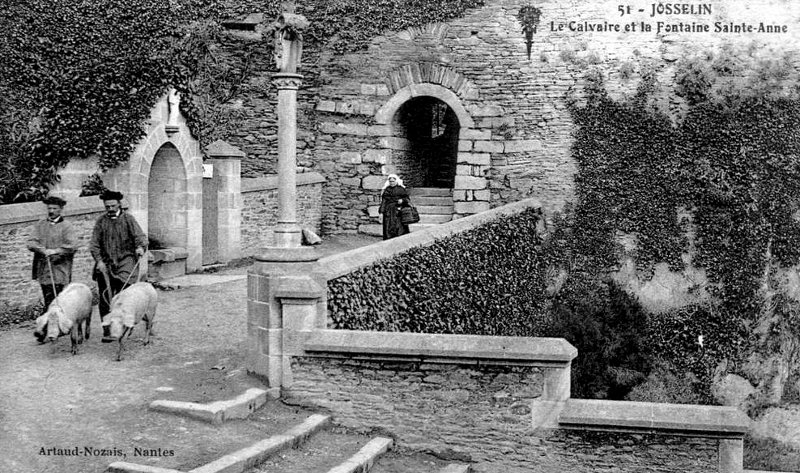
(167,202)
(431,129)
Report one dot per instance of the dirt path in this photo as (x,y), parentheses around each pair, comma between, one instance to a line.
(97,407)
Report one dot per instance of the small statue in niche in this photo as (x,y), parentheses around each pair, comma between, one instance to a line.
(529,17)
(288,34)
(174,101)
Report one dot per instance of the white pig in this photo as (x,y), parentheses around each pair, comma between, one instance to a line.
(69,313)
(128,308)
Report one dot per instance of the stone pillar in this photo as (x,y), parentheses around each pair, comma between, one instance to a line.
(226,160)
(281,296)
(731,455)
(287,232)
(282,305)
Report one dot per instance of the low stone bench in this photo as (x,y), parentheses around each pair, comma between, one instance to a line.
(553,354)
(165,263)
(727,424)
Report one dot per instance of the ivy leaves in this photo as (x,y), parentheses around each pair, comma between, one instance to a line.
(93,70)
(484,281)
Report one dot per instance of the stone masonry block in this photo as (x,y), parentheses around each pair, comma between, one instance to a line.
(369,89)
(382,90)
(350,181)
(379,130)
(326,106)
(472,207)
(271,341)
(482,159)
(344,128)
(393,142)
(380,156)
(521,146)
(470,182)
(470,134)
(366,108)
(486,111)
(488,147)
(485,194)
(460,195)
(350,157)
(372,182)
(372,210)
(471,170)
(464,145)
(346,107)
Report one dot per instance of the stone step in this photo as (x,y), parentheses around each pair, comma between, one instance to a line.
(435,209)
(430,191)
(248,457)
(415,462)
(434,218)
(328,451)
(426,200)
(365,458)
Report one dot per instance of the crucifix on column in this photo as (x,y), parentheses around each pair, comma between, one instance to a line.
(288,48)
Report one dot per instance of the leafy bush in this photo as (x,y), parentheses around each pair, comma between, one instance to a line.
(667,384)
(483,281)
(608,328)
(770,455)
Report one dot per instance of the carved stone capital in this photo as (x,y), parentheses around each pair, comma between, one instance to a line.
(287,81)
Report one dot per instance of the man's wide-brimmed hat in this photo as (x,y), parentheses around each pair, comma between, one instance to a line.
(110,195)
(54,200)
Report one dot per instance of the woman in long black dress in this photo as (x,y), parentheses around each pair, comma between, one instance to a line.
(393,197)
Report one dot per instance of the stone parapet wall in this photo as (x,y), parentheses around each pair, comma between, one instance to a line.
(260,208)
(481,415)
(17,291)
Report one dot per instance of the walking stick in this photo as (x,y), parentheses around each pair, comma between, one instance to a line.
(55,299)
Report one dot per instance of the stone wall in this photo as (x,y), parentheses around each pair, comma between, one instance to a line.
(479,414)
(17,290)
(260,208)
(516,130)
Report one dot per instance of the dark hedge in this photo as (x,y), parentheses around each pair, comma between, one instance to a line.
(484,281)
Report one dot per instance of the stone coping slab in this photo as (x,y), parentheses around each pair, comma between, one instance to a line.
(255,184)
(364,458)
(338,265)
(680,419)
(33,211)
(443,348)
(245,458)
(215,412)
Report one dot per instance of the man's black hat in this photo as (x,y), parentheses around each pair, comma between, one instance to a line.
(54,200)
(110,195)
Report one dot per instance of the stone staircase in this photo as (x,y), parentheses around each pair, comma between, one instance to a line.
(435,206)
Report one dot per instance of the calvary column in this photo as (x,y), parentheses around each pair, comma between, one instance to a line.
(282,297)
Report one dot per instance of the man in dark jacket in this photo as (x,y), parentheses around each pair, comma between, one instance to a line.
(118,243)
(53,242)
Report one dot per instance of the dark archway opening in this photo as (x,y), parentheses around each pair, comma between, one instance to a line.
(431,128)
